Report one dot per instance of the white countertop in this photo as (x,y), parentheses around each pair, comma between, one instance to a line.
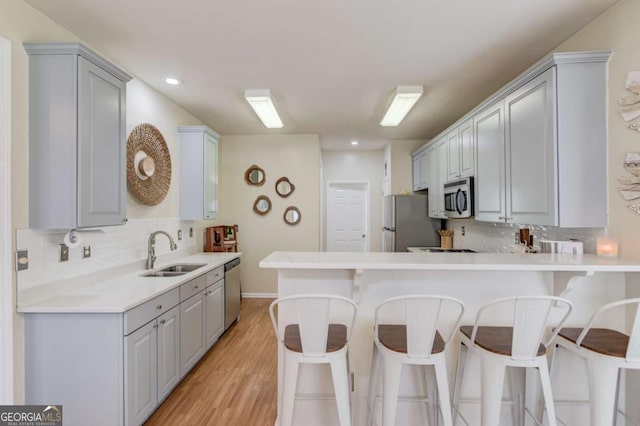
(121,293)
(449,261)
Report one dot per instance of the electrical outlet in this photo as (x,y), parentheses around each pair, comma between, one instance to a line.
(64,253)
(463,231)
(22,260)
(179,234)
(86,252)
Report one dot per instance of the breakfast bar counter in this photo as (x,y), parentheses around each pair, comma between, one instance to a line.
(589,281)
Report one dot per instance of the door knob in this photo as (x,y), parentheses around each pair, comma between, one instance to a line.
(364,235)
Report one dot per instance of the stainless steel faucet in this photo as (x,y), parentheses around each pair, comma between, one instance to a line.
(151,255)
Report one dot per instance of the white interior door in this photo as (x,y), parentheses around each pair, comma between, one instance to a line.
(347,216)
(6,279)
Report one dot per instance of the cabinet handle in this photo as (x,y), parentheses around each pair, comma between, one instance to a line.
(125,220)
(159,307)
(162,321)
(155,325)
(195,287)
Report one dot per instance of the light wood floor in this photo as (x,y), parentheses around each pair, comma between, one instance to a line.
(235,383)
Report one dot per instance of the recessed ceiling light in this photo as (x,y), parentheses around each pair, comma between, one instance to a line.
(354,142)
(172,81)
(405,98)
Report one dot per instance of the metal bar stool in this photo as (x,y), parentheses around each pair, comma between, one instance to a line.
(319,335)
(517,345)
(406,332)
(606,352)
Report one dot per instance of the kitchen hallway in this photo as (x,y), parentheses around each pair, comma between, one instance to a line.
(235,383)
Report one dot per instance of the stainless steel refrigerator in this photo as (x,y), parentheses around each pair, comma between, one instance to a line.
(406,223)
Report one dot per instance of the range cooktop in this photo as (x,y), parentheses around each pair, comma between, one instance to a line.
(441,250)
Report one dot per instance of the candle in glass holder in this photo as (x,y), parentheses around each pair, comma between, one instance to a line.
(607,246)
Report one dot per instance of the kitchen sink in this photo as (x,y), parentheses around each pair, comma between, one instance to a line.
(163,274)
(174,270)
(184,267)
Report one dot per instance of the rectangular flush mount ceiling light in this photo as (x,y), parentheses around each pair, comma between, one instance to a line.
(260,101)
(405,98)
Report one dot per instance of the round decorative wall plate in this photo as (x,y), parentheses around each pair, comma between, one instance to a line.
(148,164)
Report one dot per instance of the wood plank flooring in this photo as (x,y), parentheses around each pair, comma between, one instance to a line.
(235,383)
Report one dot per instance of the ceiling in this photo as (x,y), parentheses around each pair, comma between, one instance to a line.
(331,65)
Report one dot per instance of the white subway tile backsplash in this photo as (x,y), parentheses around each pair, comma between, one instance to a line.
(490,237)
(118,246)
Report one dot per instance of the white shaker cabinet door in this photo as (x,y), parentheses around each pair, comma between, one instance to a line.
(416,171)
(210,177)
(101,147)
(490,181)
(530,115)
(443,157)
(192,332)
(140,392)
(168,352)
(453,155)
(198,184)
(432,161)
(467,148)
(215,312)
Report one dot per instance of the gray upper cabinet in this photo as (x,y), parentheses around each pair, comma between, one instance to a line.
(77,141)
(198,146)
(541,147)
(538,146)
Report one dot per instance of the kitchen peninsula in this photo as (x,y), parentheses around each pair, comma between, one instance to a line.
(587,280)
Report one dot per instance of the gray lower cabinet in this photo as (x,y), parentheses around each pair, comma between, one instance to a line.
(77,141)
(152,365)
(201,316)
(214,326)
(140,372)
(192,329)
(115,369)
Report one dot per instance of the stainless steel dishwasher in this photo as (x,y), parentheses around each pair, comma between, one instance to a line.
(231,292)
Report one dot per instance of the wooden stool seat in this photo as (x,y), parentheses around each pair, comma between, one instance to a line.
(495,339)
(336,338)
(394,337)
(600,340)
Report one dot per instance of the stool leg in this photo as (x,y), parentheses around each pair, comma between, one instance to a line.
(376,366)
(289,389)
(457,386)
(546,391)
(518,379)
(440,368)
(603,379)
(492,378)
(340,377)
(390,386)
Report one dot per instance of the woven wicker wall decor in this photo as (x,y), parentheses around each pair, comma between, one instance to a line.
(148,164)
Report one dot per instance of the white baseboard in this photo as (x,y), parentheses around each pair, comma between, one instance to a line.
(259,295)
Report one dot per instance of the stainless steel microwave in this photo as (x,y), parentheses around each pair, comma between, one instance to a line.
(458,198)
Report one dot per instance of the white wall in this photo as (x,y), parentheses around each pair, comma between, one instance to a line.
(145,105)
(357,165)
(294,156)
(617,29)
(20,23)
(402,164)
